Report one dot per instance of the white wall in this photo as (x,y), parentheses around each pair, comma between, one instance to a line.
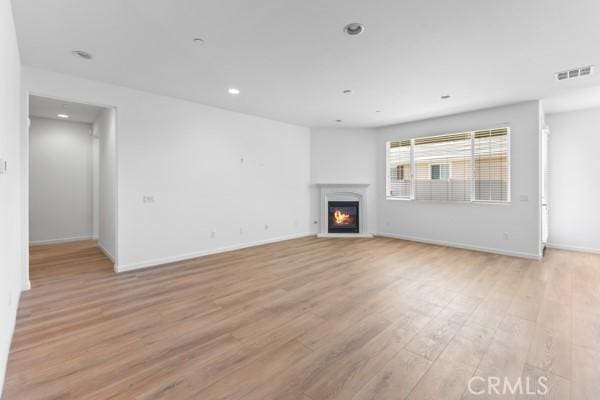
(60,181)
(10,182)
(476,226)
(574,184)
(188,156)
(95,186)
(105,130)
(344,156)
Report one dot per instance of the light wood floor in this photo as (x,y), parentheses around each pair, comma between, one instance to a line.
(306,319)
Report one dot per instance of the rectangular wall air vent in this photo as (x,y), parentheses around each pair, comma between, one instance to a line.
(574,73)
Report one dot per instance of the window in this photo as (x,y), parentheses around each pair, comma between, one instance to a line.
(399,170)
(443,167)
(440,171)
(491,174)
(468,166)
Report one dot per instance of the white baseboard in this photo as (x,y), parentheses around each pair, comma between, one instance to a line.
(463,246)
(183,257)
(26,286)
(344,235)
(57,241)
(108,255)
(560,246)
(7,340)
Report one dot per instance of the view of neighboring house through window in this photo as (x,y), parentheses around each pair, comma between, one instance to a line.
(468,166)
(440,171)
(491,155)
(399,154)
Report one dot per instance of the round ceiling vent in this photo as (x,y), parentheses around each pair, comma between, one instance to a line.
(354,29)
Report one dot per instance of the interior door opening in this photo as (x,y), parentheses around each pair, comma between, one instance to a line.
(72,175)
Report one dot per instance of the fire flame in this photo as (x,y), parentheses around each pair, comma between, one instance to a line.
(341,218)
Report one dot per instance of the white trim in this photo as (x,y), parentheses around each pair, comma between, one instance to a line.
(13,310)
(26,286)
(463,246)
(183,257)
(560,246)
(322,184)
(63,240)
(107,254)
(344,235)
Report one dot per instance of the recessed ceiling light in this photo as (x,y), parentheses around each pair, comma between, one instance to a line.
(445,97)
(354,29)
(377,111)
(82,54)
(62,116)
(338,120)
(347,91)
(234,91)
(198,40)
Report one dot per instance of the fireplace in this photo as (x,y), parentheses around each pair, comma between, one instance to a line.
(343,217)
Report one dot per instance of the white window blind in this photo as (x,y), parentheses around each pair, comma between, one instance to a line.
(490,153)
(400,172)
(443,167)
(467,166)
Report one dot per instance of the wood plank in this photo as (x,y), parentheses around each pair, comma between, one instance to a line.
(305,319)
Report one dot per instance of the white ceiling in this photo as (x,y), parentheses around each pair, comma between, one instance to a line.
(50,108)
(574,100)
(291,60)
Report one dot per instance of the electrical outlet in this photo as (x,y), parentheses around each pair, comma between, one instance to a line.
(266,227)
(524,197)
(147,199)
(506,236)
(3,166)
(241,231)
(213,234)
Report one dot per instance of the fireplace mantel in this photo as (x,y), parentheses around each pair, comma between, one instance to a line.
(354,185)
(345,191)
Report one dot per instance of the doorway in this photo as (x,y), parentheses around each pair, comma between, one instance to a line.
(72,175)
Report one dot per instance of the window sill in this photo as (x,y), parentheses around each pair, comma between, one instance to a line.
(477,202)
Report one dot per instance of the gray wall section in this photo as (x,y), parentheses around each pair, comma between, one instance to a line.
(60,180)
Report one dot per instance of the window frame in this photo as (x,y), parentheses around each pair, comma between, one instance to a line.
(472,200)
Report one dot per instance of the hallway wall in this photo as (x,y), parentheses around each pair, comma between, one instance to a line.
(194,179)
(60,181)
(105,129)
(573,176)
